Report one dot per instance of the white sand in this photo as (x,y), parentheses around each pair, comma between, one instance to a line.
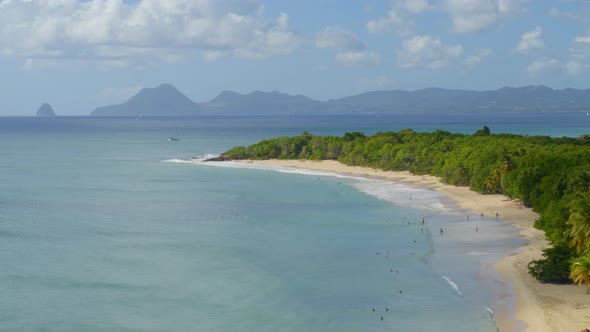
(543,307)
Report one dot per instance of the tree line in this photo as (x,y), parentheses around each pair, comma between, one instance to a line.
(550,175)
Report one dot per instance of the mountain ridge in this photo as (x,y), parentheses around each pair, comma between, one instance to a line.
(166,100)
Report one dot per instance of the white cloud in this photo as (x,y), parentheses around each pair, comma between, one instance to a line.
(414,6)
(530,40)
(351,50)
(544,66)
(580,47)
(427,52)
(362,57)
(339,38)
(147,30)
(63,63)
(475,59)
(574,67)
(510,7)
(393,20)
(470,16)
(553,67)
(399,17)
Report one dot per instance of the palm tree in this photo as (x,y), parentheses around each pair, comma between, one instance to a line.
(579,220)
(581,272)
(507,165)
(582,182)
(490,184)
(495,176)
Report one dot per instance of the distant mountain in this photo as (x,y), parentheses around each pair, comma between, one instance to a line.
(166,100)
(162,100)
(45,110)
(259,102)
(528,98)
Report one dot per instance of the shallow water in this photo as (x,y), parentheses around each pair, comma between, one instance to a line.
(98,233)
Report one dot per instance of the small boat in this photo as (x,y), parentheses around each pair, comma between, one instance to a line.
(172,139)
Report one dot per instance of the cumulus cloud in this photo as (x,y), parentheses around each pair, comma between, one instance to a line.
(361,57)
(554,66)
(414,6)
(427,52)
(580,47)
(393,21)
(574,67)
(351,50)
(399,17)
(339,38)
(544,66)
(108,30)
(470,16)
(475,59)
(530,40)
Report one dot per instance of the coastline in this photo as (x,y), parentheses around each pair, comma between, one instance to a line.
(542,307)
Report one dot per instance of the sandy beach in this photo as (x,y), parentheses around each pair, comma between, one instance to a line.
(542,307)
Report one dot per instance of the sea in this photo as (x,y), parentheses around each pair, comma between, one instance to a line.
(107,225)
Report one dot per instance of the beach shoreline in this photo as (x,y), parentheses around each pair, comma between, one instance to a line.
(542,307)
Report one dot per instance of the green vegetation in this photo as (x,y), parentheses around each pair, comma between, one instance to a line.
(551,175)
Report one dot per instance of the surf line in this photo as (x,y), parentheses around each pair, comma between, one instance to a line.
(453,285)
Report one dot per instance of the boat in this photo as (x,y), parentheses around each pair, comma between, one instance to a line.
(172,139)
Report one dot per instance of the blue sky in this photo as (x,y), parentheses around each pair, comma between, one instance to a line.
(78,55)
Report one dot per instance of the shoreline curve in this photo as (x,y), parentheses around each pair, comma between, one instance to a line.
(542,307)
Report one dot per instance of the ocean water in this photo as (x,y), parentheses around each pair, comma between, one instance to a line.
(103,227)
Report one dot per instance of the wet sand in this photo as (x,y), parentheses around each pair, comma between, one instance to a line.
(542,307)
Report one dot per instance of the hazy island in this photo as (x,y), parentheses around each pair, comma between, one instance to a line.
(166,100)
(45,110)
(551,176)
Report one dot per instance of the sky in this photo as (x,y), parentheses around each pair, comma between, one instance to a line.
(78,55)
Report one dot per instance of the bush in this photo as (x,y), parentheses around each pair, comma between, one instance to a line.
(555,267)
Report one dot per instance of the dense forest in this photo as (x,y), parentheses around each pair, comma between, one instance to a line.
(551,175)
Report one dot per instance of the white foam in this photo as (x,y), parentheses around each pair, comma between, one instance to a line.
(201,160)
(492,316)
(453,285)
(205,157)
(401,194)
(177,161)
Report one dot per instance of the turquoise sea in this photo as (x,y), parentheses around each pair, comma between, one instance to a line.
(105,227)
